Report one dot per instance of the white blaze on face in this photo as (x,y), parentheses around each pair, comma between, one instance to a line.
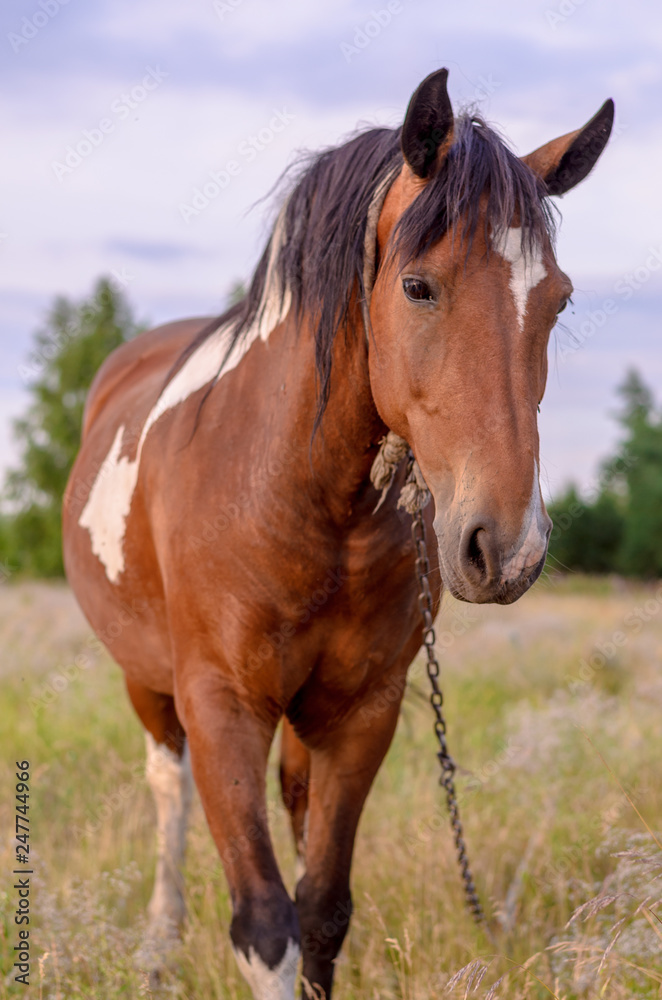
(266,983)
(108,505)
(531,544)
(526,269)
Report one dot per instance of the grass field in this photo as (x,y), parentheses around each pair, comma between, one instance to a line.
(536,694)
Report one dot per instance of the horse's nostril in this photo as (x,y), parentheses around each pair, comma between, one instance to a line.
(475,553)
(478,554)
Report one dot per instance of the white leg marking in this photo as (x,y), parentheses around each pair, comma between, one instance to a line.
(299,866)
(300,863)
(531,543)
(108,505)
(266,983)
(172,786)
(526,270)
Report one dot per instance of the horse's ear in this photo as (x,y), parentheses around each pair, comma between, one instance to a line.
(566,161)
(428,123)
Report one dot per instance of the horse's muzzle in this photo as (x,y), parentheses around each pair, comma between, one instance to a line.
(485,571)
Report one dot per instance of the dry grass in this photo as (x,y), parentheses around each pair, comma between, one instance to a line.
(551,831)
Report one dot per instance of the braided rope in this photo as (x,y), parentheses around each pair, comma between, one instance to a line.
(415,494)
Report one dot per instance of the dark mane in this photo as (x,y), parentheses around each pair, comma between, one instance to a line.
(325,217)
(478,162)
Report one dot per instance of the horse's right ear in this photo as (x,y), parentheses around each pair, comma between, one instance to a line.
(428,123)
(566,161)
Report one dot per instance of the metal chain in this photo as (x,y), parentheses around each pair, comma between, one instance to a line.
(447,779)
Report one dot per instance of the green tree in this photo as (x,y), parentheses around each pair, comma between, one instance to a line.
(75,340)
(637,399)
(621,530)
(586,536)
(636,473)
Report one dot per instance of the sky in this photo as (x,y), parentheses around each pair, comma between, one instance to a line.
(116,112)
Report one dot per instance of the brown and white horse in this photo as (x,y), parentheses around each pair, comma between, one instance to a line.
(221,503)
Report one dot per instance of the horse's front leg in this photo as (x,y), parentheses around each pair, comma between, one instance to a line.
(343,766)
(229,744)
(294,772)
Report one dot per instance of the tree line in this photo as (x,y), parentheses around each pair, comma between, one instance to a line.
(616,528)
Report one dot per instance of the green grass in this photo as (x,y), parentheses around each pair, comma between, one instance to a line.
(548,827)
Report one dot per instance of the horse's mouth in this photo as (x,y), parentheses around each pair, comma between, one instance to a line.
(499,592)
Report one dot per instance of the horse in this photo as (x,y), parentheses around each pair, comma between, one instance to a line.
(221,530)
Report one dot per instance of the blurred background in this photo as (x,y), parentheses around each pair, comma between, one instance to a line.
(122,118)
(137,139)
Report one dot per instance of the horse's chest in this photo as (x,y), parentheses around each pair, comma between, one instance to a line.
(355,618)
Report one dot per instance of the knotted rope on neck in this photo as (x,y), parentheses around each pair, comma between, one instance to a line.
(393,449)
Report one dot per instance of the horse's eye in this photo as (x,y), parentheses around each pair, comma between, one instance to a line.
(417,290)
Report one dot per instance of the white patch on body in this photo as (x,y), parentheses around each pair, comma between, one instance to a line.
(531,544)
(106,511)
(266,983)
(108,505)
(526,269)
(171,782)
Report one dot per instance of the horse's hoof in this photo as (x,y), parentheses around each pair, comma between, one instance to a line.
(156,956)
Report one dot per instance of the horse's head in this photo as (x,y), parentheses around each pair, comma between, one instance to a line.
(466,294)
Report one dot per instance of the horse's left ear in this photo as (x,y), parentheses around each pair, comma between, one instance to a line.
(566,161)
(428,123)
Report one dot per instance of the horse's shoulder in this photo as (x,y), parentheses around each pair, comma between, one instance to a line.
(151,353)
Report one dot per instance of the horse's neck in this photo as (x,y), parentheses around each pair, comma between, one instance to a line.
(338,464)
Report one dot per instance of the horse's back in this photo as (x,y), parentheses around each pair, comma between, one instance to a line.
(145,359)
